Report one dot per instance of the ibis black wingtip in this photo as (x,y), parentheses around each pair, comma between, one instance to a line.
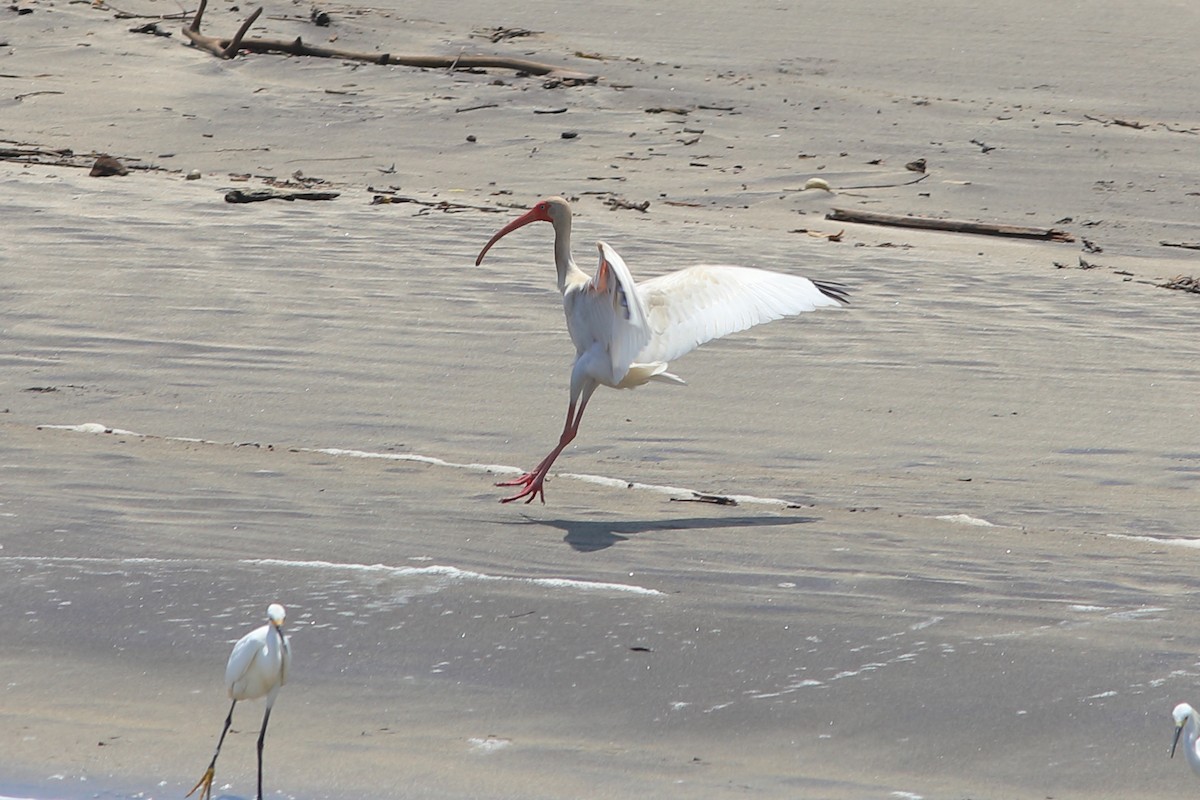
(835,291)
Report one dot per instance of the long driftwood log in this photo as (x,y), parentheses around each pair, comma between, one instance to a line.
(239,196)
(228,48)
(954,225)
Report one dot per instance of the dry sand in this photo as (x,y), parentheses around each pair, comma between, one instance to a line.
(876,639)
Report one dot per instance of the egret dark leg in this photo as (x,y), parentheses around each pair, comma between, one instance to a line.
(261,736)
(225,730)
(207,781)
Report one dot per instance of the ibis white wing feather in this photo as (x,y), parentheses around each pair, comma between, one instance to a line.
(687,308)
(607,310)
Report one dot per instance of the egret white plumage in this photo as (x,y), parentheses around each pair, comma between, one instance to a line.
(257,667)
(1186,726)
(625,333)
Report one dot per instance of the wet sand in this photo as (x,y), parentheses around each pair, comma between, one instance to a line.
(960,564)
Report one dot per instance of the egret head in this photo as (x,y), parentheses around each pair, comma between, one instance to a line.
(554,210)
(1182,713)
(276,614)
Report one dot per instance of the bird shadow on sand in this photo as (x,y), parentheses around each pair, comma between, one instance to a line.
(590,535)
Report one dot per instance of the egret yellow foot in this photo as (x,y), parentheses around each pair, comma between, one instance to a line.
(206,782)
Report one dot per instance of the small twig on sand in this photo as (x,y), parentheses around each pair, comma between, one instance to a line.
(953,225)
(885,185)
(715,499)
(499,34)
(615,203)
(832,237)
(476,108)
(1124,123)
(1185,245)
(150,28)
(20,97)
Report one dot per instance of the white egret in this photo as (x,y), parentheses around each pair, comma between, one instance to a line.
(625,333)
(1186,725)
(257,666)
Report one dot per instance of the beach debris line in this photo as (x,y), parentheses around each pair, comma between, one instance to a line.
(34,154)
(390,197)
(951,225)
(228,48)
(626,333)
(1135,124)
(1184,283)
(23,153)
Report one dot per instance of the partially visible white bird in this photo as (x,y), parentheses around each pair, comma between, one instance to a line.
(625,333)
(1186,725)
(257,666)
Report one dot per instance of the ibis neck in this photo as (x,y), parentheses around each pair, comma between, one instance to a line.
(567,271)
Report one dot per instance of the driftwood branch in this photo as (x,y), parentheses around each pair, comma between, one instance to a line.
(239,196)
(228,48)
(235,43)
(955,225)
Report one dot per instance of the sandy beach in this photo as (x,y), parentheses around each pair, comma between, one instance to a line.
(961,561)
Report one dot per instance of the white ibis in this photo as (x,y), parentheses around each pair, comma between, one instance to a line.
(625,333)
(1186,725)
(257,666)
